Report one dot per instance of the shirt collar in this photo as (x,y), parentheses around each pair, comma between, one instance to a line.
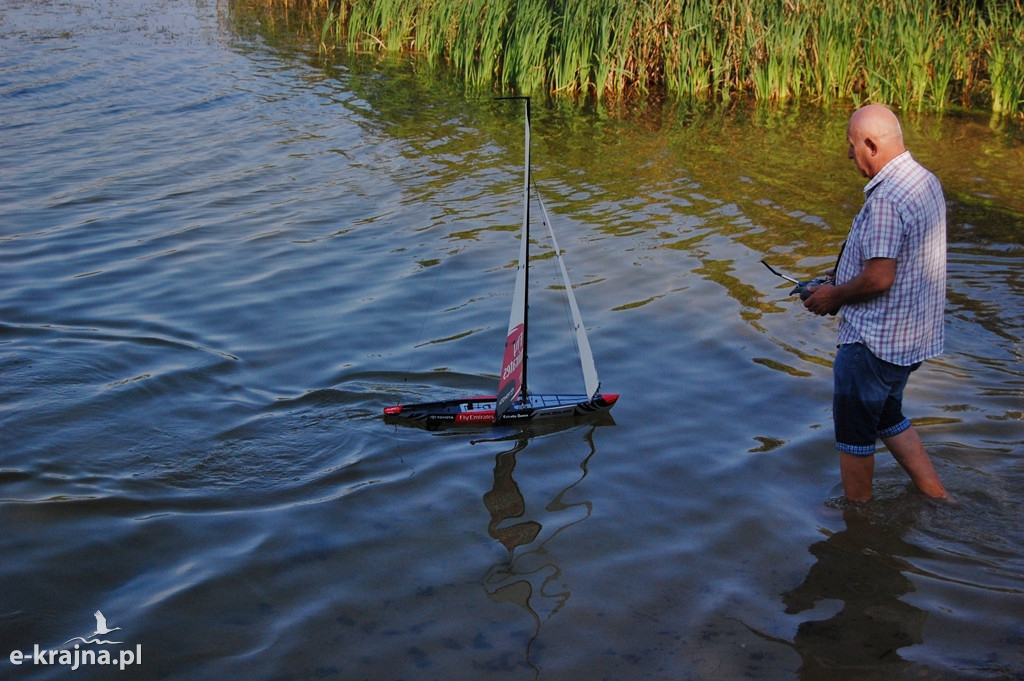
(889,169)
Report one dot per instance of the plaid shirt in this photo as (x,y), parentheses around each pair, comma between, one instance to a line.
(904,217)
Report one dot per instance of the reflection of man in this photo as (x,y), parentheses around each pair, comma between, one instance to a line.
(891,286)
(857,566)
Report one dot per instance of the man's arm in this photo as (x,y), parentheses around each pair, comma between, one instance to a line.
(876,278)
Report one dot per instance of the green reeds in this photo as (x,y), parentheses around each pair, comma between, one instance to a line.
(1005,51)
(777,37)
(835,47)
(928,56)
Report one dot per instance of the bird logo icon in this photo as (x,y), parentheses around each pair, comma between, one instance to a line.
(101,630)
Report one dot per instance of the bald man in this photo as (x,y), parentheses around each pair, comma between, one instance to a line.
(890,286)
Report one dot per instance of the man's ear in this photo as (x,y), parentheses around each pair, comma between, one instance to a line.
(870,144)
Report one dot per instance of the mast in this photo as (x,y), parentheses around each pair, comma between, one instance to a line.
(526,247)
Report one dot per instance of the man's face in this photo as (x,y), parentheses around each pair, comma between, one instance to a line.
(859,152)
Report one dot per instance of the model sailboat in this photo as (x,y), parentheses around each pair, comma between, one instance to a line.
(513,402)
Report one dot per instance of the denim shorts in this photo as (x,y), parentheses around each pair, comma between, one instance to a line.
(867,403)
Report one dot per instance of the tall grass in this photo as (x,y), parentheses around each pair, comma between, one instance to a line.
(835,47)
(1005,51)
(926,55)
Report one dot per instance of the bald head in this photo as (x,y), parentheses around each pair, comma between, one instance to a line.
(875,138)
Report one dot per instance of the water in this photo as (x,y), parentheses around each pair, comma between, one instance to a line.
(220,259)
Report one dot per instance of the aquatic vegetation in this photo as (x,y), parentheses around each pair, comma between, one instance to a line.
(928,55)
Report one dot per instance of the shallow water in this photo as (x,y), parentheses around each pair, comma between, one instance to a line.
(220,259)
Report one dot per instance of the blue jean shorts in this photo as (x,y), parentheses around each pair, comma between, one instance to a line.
(867,402)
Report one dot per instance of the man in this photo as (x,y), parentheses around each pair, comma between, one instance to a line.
(890,282)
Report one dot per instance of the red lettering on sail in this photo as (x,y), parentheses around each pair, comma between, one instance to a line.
(511,369)
(513,359)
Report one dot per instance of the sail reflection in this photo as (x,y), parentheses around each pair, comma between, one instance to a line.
(530,578)
(505,501)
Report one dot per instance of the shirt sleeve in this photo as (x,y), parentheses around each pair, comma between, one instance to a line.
(883,235)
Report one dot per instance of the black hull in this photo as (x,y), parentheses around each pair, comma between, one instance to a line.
(479,411)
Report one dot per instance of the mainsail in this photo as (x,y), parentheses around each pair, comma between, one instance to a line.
(513,363)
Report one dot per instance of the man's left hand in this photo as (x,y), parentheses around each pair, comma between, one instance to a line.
(823,300)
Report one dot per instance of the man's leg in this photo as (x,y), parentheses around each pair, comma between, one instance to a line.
(909,452)
(857,473)
(856,403)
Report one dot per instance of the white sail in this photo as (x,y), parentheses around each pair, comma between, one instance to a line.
(513,363)
(587,364)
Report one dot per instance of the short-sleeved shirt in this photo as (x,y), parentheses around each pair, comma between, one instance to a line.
(904,217)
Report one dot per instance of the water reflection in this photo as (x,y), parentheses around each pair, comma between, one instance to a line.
(505,502)
(861,569)
(531,579)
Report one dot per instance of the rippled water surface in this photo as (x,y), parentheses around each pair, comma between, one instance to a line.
(220,259)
